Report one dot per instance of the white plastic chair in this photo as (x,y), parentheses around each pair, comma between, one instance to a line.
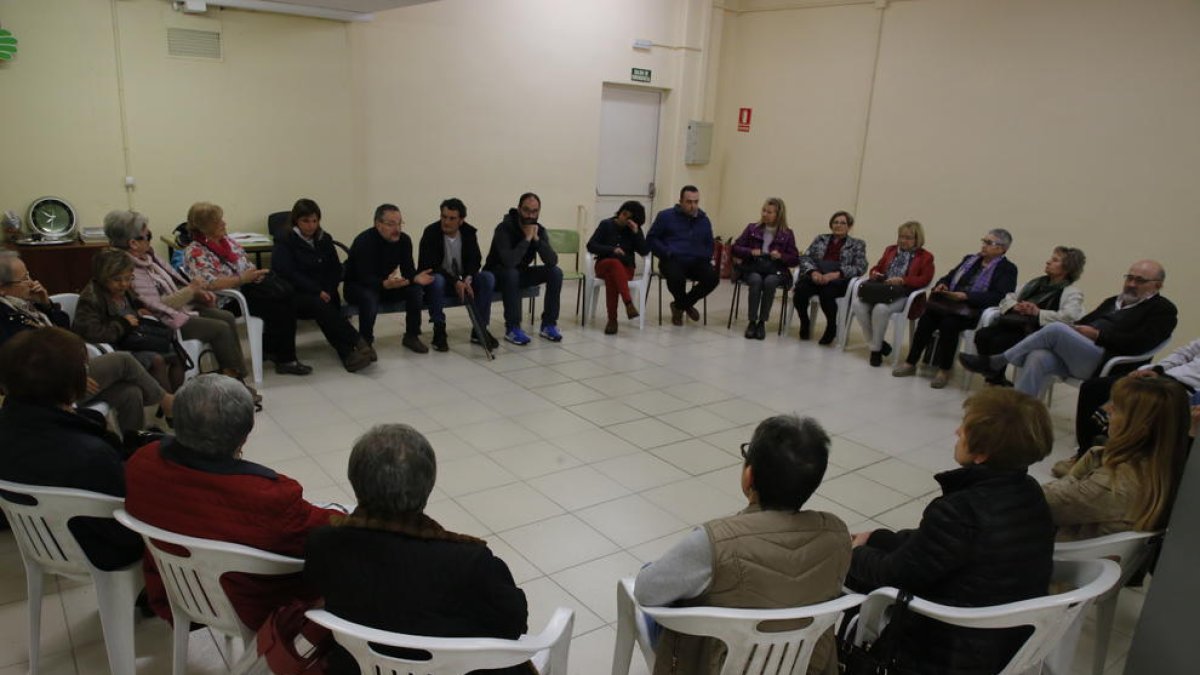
(67,302)
(843,309)
(1050,616)
(639,288)
(193,581)
(1132,550)
(254,331)
(750,650)
(48,547)
(897,321)
(967,346)
(1132,359)
(451,656)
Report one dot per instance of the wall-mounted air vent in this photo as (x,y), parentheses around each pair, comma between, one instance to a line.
(194,44)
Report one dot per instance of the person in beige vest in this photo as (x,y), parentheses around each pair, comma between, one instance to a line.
(1130,482)
(771,555)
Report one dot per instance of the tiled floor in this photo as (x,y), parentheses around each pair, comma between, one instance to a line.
(577,461)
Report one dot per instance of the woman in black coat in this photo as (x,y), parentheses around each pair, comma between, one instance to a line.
(988,540)
(305,256)
(390,566)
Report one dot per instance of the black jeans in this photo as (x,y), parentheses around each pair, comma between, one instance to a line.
(510,281)
(677,272)
(1093,393)
(949,327)
(338,332)
(369,300)
(279,326)
(828,296)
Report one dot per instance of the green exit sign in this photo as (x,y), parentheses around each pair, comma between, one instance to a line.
(640,75)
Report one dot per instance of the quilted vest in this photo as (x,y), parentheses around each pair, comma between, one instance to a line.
(765,560)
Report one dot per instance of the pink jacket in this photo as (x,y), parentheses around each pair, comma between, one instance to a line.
(153,281)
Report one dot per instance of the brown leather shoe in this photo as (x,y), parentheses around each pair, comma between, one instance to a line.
(631,310)
(357,359)
(676,315)
(693,313)
(414,343)
(610,328)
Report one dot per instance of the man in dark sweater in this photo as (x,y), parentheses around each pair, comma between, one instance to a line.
(1134,322)
(682,240)
(380,269)
(518,240)
(450,247)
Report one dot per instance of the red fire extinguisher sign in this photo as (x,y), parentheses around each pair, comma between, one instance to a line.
(744,119)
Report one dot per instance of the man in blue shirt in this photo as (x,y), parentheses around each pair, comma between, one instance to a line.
(682,240)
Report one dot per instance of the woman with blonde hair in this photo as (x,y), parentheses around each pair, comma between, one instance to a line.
(764,251)
(1130,482)
(904,267)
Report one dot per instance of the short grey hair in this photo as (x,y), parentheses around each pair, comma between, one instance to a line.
(1002,237)
(213,415)
(121,226)
(392,470)
(7,267)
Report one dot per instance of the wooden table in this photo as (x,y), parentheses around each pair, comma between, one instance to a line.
(61,268)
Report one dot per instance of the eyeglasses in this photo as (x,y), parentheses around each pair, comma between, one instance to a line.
(144,237)
(745,451)
(1138,280)
(990,242)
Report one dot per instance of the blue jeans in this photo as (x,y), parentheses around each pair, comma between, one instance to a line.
(1056,350)
(482,283)
(511,280)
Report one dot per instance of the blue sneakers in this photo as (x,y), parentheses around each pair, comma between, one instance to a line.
(550,333)
(517,337)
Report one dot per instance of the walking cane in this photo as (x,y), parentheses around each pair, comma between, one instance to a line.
(469,303)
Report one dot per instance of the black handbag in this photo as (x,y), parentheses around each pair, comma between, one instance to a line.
(1020,322)
(880,292)
(878,657)
(939,304)
(762,265)
(150,335)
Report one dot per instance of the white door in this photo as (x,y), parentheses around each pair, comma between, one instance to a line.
(628,149)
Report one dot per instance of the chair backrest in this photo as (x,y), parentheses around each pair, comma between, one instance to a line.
(277,223)
(1130,550)
(565,241)
(1050,616)
(751,649)
(67,302)
(39,516)
(450,656)
(192,569)
(1144,357)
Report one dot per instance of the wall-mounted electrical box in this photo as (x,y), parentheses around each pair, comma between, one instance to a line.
(699,143)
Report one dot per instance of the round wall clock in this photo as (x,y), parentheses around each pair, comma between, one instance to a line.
(52,218)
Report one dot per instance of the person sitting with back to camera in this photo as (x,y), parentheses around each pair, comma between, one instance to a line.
(771,555)
(904,267)
(764,252)
(614,244)
(1129,483)
(987,540)
(390,566)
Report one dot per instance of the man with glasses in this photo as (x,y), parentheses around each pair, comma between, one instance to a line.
(518,240)
(1133,322)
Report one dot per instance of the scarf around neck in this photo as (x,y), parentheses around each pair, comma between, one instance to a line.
(29,313)
(982,280)
(1043,293)
(223,248)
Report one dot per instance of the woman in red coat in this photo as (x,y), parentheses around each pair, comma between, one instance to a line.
(197,484)
(906,266)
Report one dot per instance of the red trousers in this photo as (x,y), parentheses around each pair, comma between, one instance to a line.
(616,278)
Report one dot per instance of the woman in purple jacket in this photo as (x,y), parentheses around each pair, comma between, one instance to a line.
(764,252)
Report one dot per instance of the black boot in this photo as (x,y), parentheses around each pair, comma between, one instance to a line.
(439,338)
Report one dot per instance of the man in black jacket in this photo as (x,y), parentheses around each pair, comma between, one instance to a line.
(380,269)
(519,238)
(1134,322)
(450,247)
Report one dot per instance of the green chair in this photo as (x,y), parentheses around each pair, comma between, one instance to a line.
(566,242)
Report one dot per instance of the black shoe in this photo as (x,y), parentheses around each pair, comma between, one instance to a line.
(876,359)
(885,349)
(828,336)
(439,338)
(492,342)
(979,364)
(760,332)
(356,359)
(752,331)
(805,330)
(413,343)
(292,368)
